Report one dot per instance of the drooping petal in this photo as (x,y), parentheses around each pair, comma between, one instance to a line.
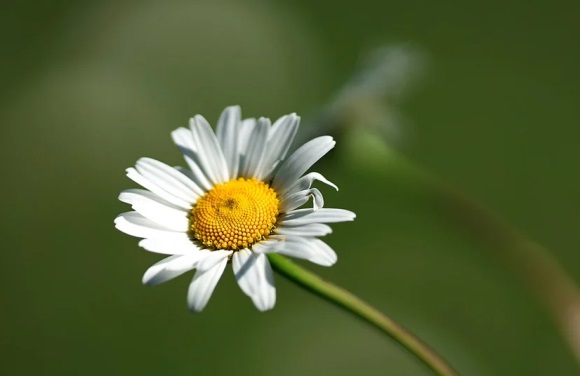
(203,284)
(300,161)
(227,132)
(305,182)
(210,153)
(169,268)
(254,275)
(134,224)
(301,197)
(156,209)
(301,217)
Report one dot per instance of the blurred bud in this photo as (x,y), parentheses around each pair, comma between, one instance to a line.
(369,100)
(366,150)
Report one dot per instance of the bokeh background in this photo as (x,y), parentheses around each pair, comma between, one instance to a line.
(89,87)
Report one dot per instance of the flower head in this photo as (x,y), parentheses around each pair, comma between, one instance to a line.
(238,200)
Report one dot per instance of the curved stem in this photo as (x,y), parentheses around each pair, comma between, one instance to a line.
(534,264)
(363,310)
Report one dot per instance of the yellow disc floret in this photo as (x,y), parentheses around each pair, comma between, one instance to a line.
(235,215)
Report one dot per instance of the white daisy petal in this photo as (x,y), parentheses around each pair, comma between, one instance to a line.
(306,181)
(246,131)
(184,171)
(305,216)
(311,249)
(183,138)
(300,198)
(134,224)
(285,246)
(196,177)
(203,284)
(174,181)
(300,161)
(152,207)
(294,201)
(171,244)
(312,229)
(227,131)
(254,275)
(211,258)
(169,268)
(280,138)
(253,159)
(322,255)
(210,152)
(154,187)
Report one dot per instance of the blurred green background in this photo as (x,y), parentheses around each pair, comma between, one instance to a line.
(89,87)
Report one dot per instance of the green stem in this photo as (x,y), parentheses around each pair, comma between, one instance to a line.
(363,310)
(531,262)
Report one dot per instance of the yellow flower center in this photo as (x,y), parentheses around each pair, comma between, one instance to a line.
(235,214)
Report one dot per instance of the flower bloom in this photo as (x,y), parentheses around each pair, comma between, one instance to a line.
(238,200)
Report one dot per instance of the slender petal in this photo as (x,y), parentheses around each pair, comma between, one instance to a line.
(300,198)
(171,244)
(323,254)
(280,138)
(134,224)
(311,249)
(285,246)
(246,131)
(300,161)
(154,208)
(203,284)
(153,186)
(305,216)
(254,275)
(169,268)
(169,179)
(183,138)
(210,153)
(253,161)
(212,258)
(227,133)
(312,229)
(305,182)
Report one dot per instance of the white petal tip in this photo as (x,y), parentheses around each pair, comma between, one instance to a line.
(266,308)
(121,223)
(195,309)
(149,276)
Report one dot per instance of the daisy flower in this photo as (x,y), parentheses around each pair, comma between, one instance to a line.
(239,200)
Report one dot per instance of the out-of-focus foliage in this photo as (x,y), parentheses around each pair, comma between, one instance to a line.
(89,87)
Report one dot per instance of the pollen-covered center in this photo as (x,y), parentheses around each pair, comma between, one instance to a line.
(235,214)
